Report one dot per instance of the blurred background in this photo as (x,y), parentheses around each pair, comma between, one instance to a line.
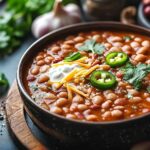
(24,21)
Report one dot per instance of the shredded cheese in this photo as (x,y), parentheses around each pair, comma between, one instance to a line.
(90,70)
(70,63)
(81,59)
(77,91)
(69,92)
(80,72)
(70,76)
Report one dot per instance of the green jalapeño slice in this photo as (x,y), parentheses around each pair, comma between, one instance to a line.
(116,59)
(103,80)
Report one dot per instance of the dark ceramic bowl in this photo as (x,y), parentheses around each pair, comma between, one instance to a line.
(142,20)
(73,132)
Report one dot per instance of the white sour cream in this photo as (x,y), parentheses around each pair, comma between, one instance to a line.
(56,74)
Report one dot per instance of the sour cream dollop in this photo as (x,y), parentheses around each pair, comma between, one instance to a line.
(56,74)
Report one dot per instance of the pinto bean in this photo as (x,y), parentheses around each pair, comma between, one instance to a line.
(97,100)
(35,70)
(61,102)
(140,58)
(51,96)
(73,107)
(108,45)
(126,48)
(138,39)
(116,39)
(44,68)
(82,107)
(117,113)
(78,99)
(48,60)
(143,50)
(31,78)
(63,94)
(119,107)
(71,116)
(106,104)
(107,114)
(96,37)
(70,42)
(40,62)
(133,92)
(115,49)
(120,101)
(43,88)
(146,43)
(55,49)
(43,78)
(111,96)
(66,46)
(91,118)
(39,57)
(66,109)
(117,44)
(78,45)
(135,99)
(79,39)
(135,44)
(56,110)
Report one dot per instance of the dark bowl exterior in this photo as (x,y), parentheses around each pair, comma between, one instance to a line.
(99,135)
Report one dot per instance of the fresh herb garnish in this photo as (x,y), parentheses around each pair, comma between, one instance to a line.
(135,74)
(148,89)
(16,20)
(73,56)
(127,38)
(92,46)
(3,84)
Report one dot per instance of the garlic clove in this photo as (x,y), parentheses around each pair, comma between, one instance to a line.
(59,17)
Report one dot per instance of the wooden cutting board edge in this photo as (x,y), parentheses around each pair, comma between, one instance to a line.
(17,123)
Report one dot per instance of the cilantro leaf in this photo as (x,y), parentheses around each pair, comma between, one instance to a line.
(135,74)
(92,46)
(16,20)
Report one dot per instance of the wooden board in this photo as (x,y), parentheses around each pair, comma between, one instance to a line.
(17,123)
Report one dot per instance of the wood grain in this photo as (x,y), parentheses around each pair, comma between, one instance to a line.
(17,122)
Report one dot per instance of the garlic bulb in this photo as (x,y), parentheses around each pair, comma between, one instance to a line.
(59,17)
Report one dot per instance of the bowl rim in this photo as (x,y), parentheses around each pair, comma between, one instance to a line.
(26,95)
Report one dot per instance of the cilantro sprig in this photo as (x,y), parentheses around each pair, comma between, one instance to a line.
(135,74)
(16,20)
(92,46)
(3,84)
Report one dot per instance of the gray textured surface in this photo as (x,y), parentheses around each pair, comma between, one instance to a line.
(8,65)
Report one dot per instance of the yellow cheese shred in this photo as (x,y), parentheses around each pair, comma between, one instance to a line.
(90,70)
(82,59)
(77,91)
(70,63)
(80,72)
(69,92)
(70,76)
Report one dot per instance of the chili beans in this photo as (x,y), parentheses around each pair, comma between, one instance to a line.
(64,88)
